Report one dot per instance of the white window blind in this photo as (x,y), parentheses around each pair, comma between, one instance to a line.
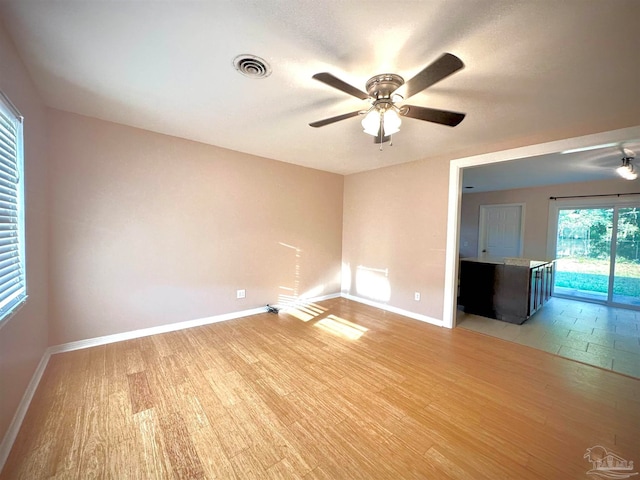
(13,287)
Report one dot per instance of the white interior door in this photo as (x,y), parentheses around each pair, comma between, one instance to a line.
(501,230)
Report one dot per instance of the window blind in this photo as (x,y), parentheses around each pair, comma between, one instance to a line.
(13,289)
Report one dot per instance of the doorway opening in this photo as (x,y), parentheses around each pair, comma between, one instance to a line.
(456,168)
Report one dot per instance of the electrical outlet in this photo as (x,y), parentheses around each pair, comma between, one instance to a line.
(241,293)
(416,296)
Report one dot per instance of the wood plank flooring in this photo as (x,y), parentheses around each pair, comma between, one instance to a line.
(351,393)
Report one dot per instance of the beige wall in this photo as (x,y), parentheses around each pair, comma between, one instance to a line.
(140,229)
(148,229)
(395,220)
(536,201)
(23,338)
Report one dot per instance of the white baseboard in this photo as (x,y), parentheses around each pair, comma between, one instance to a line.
(172,327)
(399,311)
(331,296)
(16,422)
(145,332)
(23,406)
(301,301)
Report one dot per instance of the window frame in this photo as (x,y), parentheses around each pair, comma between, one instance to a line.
(8,109)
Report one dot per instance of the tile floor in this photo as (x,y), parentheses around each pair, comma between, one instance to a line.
(603,336)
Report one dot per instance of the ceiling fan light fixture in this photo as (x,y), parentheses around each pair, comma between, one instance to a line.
(371,122)
(626,170)
(391,122)
(382,119)
(377,118)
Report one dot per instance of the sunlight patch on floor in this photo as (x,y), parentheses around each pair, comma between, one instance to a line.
(305,312)
(342,327)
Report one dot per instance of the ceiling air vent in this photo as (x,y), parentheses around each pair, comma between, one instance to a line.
(252,66)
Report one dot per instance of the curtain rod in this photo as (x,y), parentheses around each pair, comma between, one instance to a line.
(593,196)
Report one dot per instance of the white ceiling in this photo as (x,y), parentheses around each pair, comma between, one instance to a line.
(584,166)
(538,69)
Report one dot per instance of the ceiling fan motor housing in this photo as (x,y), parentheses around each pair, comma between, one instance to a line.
(382,86)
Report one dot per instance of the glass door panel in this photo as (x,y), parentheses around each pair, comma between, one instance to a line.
(583,253)
(626,279)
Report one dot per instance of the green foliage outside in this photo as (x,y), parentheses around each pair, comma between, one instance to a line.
(584,249)
(587,233)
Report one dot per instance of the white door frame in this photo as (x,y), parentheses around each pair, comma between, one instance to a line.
(455,197)
(482,226)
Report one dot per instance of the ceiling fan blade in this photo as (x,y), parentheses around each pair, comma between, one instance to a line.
(436,71)
(327,121)
(335,82)
(442,117)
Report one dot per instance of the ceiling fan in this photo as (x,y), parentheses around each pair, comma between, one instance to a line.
(382,118)
(627,170)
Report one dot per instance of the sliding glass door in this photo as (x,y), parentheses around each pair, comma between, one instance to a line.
(598,253)
(583,252)
(626,272)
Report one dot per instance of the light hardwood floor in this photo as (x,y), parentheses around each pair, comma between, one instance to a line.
(335,390)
